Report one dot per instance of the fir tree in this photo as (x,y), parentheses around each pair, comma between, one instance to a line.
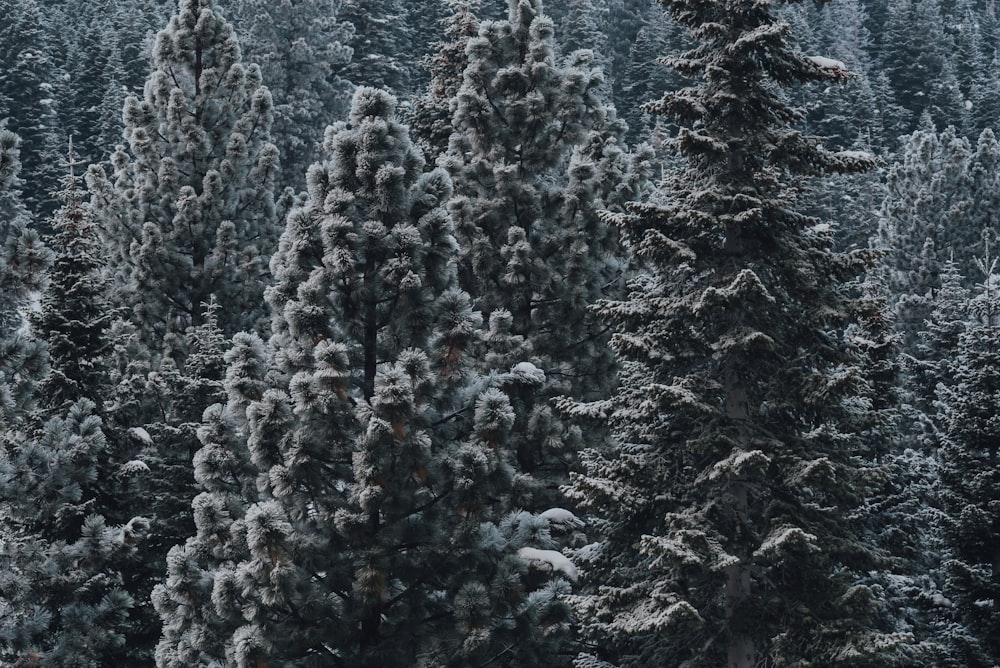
(969,406)
(28,100)
(380,45)
(75,312)
(23,261)
(729,534)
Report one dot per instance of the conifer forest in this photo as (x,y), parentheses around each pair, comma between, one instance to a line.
(499,334)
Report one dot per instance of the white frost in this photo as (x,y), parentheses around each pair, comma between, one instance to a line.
(827,63)
(141,435)
(548,560)
(562,517)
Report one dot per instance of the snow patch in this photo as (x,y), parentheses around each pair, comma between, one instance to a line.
(141,435)
(562,517)
(827,63)
(133,467)
(526,372)
(548,560)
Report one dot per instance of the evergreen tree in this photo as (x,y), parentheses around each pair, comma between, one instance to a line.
(730,532)
(379,456)
(62,596)
(534,156)
(190,210)
(301,47)
(430,120)
(380,45)
(75,312)
(28,99)
(23,261)
(969,406)
(922,221)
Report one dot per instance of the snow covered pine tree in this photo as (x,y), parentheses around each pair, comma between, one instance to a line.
(728,506)
(353,527)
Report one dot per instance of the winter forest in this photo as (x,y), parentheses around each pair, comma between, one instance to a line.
(488,333)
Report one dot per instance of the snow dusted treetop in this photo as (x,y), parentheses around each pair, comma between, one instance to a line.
(726,505)
(190,209)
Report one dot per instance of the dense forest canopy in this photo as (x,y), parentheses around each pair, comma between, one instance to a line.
(419,333)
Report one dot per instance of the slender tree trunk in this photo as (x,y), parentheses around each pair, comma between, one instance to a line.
(741,650)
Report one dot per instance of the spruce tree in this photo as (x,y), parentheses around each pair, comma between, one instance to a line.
(969,455)
(381,44)
(189,212)
(75,313)
(728,509)
(28,100)
(350,480)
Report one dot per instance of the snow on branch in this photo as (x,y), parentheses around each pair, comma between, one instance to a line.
(548,560)
(827,63)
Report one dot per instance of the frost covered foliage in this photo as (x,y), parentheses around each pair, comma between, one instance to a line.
(75,313)
(432,113)
(63,598)
(189,208)
(940,197)
(23,261)
(350,480)
(728,509)
(535,155)
(381,44)
(301,47)
(969,404)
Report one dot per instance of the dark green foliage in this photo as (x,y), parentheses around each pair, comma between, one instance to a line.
(28,100)
(302,47)
(62,595)
(190,211)
(351,477)
(75,312)
(535,154)
(969,473)
(728,533)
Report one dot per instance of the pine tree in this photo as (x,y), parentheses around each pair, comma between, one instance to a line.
(348,488)
(430,120)
(301,47)
(535,154)
(190,210)
(62,596)
(728,508)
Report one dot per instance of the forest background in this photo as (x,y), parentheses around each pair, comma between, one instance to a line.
(473,333)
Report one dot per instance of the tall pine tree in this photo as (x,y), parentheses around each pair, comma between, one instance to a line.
(729,534)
